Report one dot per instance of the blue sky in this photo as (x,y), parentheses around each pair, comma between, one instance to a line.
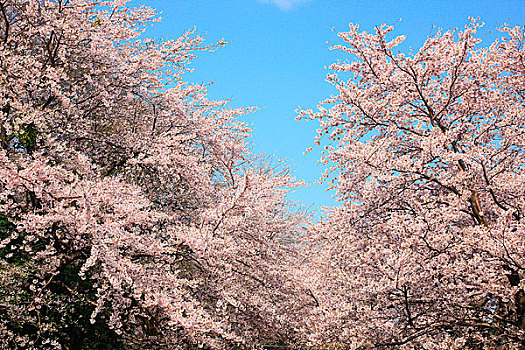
(278,51)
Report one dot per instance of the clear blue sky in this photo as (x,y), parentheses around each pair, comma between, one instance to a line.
(278,52)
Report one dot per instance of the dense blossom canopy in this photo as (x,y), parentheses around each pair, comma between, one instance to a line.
(133,213)
(426,153)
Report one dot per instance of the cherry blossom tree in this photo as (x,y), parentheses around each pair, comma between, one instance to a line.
(426,154)
(133,212)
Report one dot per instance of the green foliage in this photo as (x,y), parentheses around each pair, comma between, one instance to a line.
(12,256)
(27,137)
(68,299)
(5,226)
